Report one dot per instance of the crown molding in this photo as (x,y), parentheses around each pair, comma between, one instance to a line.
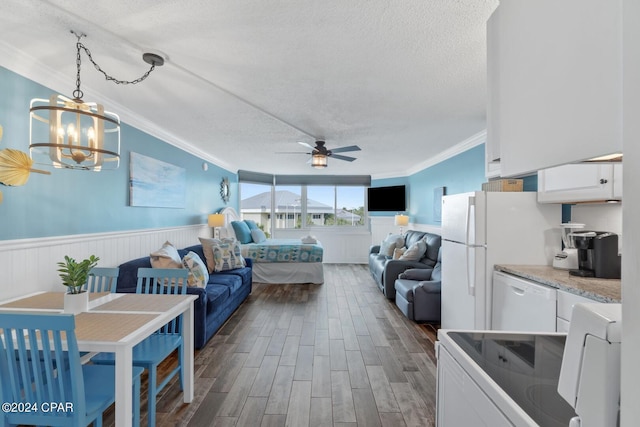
(459,148)
(31,68)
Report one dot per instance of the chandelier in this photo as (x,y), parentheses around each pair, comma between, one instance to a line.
(74,134)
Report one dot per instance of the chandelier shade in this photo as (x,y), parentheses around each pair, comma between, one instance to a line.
(73,134)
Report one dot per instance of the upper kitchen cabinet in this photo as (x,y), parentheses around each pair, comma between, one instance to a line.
(555,83)
(593,182)
(492,144)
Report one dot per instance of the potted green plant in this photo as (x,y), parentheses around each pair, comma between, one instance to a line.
(74,275)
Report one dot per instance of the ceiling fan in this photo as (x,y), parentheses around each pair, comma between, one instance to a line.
(320,153)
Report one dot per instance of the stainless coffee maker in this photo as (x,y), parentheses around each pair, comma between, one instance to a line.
(597,255)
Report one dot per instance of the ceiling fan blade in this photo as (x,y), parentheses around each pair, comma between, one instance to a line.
(291,152)
(345,149)
(306,145)
(339,157)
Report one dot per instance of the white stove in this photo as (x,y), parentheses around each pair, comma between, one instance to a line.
(500,379)
(491,378)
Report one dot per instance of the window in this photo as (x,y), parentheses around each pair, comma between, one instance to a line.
(320,205)
(336,206)
(288,204)
(350,206)
(255,204)
(302,201)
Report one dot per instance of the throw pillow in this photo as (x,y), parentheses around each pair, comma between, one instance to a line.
(415,252)
(166,257)
(398,252)
(237,252)
(416,274)
(258,236)
(207,248)
(198,274)
(251,224)
(390,243)
(243,234)
(222,254)
(227,256)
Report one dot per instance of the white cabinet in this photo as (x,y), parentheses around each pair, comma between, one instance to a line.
(555,82)
(617,181)
(460,401)
(566,301)
(522,305)
(580,183)
(492,144)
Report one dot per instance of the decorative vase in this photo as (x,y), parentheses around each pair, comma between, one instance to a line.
(76,303)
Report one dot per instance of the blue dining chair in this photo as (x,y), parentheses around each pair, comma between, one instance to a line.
(102,279)
(55,388)
(158,346)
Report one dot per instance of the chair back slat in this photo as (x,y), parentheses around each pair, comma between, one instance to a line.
(172,281)
(102,279)
(40,363)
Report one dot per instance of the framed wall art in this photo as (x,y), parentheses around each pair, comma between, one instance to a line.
(154,183)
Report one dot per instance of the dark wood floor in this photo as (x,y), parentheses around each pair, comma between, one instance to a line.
(337,354)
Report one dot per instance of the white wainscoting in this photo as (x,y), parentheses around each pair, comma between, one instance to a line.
(426,228)
(383,225)
(30,265)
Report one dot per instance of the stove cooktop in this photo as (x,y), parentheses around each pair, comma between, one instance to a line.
(526,367)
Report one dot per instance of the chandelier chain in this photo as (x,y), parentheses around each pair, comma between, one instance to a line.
(113,79)
(78,94)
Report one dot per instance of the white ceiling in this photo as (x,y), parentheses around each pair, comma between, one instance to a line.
(243,80)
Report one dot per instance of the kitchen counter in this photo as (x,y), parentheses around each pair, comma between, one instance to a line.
(602,290)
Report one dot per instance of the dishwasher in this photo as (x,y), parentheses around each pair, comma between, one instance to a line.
(522,305)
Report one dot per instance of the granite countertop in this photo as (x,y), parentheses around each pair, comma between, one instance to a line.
(603,290)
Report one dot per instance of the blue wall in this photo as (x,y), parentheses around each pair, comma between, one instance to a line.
(459,174)
(77,202)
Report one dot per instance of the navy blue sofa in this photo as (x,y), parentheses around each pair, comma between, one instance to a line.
(222,295)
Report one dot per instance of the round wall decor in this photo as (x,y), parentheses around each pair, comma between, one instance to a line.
(225,191)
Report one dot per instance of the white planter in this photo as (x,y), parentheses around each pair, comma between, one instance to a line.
(76,303)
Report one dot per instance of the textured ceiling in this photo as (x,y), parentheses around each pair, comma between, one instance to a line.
(246,79)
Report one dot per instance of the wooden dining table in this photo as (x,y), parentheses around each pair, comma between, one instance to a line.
(115,323)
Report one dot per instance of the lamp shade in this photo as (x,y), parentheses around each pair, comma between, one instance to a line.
(215,220)
(401,220)
(319,161)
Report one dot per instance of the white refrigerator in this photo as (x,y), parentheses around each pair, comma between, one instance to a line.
(481,229)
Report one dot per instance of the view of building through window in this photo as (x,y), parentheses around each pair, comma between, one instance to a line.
(302,206)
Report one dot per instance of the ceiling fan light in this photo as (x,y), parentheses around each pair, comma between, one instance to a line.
(319,161)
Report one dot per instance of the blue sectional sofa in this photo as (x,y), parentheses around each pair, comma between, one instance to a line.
(222,295)
(385,270)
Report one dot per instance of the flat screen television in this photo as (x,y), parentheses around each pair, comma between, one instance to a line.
(386,199)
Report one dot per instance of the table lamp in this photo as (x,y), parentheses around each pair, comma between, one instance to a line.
(401,220)
(216,221)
